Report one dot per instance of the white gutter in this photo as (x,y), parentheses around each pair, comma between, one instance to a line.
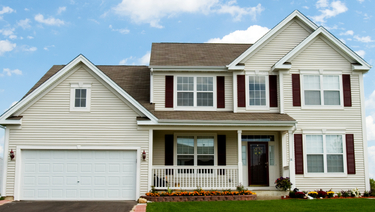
(213,123)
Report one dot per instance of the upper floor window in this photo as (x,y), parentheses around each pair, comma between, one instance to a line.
(257,90)
(325,153)
(195,91)
(80,96)
(322,89)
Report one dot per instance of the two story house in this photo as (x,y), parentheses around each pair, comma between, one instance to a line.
(200,115)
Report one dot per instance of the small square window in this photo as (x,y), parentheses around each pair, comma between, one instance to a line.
(80,97)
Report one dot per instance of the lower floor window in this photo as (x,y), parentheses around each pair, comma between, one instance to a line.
(195,150)
(324,153)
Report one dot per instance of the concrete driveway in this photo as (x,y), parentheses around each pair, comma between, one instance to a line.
(70,206)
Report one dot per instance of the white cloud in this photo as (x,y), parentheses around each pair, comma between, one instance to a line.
(370,102)
(47,47)
(349,32)
(321,4)
(370,128)
(28,49)
(27,9)
(151,12)
(8,72)
(237,12)
(361,1)
(49,21)
(30,37)
(361,53)
(8,33)
(371,160)
(306,7)
(337,7)
(144,60)
(24,23)
(60,10)
(366,39)
(6,46)
(6,10)
(250,35)
(122,31)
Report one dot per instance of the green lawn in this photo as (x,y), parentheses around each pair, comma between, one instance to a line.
(295,205)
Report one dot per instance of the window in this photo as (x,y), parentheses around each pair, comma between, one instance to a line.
(195,150)
(322,89)
(257,91)
(80,96)
(271,155)
(195,91)
(324,153)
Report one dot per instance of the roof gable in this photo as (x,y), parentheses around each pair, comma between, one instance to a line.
(57,72)
(345,50)
(268,35)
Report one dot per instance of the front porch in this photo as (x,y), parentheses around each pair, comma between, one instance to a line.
(220,160)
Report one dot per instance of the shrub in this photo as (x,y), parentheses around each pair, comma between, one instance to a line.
(292,194)
(366,194)
(355,192)
(313,194)
(240,187)
(346,193)
(372,185)
(299,194)
(283,183)
(330,194)
(322,193)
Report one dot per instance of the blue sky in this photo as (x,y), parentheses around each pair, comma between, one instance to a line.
(34,35)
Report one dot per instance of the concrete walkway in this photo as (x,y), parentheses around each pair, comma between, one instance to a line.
(141,207)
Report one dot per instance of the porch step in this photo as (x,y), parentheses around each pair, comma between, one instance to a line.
(267,195)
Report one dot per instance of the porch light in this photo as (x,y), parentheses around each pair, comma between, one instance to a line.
(11,154)
(144,155)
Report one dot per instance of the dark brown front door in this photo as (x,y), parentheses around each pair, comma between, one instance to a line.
(258,163)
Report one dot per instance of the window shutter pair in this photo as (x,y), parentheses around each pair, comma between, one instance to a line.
(220,91)
(298,153)
(241,91)
(296,87)
(221,150)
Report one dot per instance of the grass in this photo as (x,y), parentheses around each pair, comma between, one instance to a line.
(267,205)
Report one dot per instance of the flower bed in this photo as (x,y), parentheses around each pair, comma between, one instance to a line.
(320,194)
(200,196)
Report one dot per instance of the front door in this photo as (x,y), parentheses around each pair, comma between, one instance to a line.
(258,163)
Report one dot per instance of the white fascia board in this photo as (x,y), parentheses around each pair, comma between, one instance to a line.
(188,68)
(62,72)
(11,122)
(321,30)
(216,123)
(270,33)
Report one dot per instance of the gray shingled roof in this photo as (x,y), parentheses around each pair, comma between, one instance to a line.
(195,54)
(135,80)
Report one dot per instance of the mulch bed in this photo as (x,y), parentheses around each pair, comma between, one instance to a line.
(199,198)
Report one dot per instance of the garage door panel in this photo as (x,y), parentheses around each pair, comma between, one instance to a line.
(86,175)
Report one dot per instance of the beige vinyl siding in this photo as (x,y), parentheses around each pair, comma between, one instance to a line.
(277,46)
(49,122)
(159,145)
(319,55)
(159,89)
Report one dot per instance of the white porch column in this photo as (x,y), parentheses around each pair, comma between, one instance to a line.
(150,150)
(292,173)
(239,139)
(284,154)
(5,161)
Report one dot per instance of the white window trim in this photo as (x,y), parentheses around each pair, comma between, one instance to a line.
(257,73)
(195,147)
(195,107)
(321,73)
(73,87)
(325,174)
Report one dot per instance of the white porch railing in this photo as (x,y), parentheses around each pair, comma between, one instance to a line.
(191,177)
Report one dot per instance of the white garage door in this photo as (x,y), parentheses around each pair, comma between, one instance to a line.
(78,175)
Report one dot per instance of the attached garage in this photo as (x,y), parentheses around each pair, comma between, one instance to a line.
(78,175)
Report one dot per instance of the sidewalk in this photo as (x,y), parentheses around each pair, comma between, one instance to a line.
(141,207)
(2,202)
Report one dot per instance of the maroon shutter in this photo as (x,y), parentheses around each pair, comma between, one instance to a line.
(350,159)
(220,91)
(347,90)
(241,91)
(168,160)
(168,91)
(273,90)
(222,153)
(296,90)
(298,153)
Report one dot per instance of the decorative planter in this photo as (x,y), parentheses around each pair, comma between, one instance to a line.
(200,198)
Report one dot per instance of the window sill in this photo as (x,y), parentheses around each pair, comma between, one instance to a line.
(79,109)
(195,108)
(322,107)
(325,175)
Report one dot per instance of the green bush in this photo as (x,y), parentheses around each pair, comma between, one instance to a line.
(372,185)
